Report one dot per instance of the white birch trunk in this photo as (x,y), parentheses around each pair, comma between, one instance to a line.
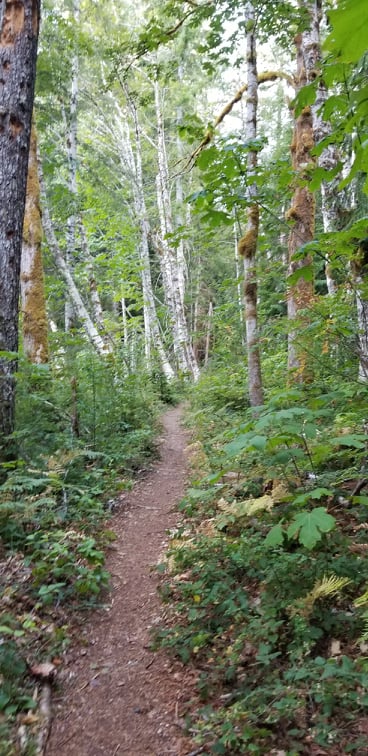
(180,253)
(359,266)
(329,157)
(78,305)
(170,268)
(208,333)
(238,284)
(151,322)
(362,313)
(96,305)
(248,243)
(71,146)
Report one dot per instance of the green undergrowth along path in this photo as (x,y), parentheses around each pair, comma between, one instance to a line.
(267,576)
(82,434)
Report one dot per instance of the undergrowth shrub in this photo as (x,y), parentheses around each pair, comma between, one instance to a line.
(268,575)
(84,425)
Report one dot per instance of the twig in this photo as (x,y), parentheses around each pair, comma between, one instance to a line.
(361,484)
(116,749)
(85,685)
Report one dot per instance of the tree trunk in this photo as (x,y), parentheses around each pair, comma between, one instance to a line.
(71,147)
(18,52)
(171,270)
(151,322)
(180,253)
(78,305)
(302,212)
(360,275)
(248,243)
(329,157)
(239,290)
(34,319)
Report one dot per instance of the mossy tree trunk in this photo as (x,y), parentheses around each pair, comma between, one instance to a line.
(34,319)
(248,243)
(302,212)
(18,52)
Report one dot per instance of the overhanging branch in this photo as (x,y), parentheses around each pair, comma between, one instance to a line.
(264,77)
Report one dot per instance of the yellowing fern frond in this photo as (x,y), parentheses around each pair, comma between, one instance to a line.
(361,600)
(327,586)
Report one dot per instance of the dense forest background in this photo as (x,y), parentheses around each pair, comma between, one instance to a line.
(196,225)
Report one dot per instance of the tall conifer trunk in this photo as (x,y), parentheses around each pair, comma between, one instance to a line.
(18,52)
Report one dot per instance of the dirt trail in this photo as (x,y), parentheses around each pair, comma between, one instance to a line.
(118,697)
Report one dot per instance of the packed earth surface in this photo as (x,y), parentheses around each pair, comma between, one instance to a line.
(115,695)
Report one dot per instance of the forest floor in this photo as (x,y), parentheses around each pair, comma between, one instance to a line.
(115,695)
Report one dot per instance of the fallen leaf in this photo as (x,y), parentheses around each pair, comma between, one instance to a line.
(44,671)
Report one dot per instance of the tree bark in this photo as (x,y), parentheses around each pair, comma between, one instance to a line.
(248,243)
(328,159)
(171,270)
(360,275)
(302,212)
(34,318)
(18,52)
(134,164)
(71,148)
(75,297)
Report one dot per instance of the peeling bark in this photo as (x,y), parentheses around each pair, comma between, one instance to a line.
(18,52)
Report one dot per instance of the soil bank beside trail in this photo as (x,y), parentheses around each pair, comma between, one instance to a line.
(116,696)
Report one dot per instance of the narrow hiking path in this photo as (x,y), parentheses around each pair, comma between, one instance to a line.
(116,695)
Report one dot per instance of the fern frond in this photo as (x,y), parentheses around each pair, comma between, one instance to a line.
(361,600)
(364,636)
(327,586)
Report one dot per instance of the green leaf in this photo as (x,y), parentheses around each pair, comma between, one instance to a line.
(309,526)
(316,493)
(356,440)
(206,157)
(258,442)
(360,500)
(305,272)
(349,30)
(306,96)
(276,536)
(237,445)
